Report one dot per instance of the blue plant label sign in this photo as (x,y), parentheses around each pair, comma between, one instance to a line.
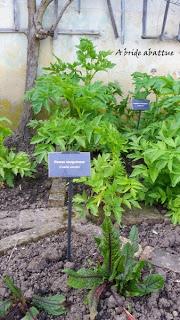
(140,104)
(69,164)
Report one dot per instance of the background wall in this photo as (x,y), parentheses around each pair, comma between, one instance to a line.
(94,16)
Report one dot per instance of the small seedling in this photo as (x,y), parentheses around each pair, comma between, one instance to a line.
(52,305)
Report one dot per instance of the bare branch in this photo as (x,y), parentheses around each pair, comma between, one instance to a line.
(41,10)
(42,33)
(38,18)
(67,4)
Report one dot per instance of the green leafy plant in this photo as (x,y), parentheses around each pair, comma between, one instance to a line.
(4,130)
(160,166)
(165,94)
(67,134)
(52,305)
(12,163)
(120,269)
(70,86)
(110,189)
(88,63)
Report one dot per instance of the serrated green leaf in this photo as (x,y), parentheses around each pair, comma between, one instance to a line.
(52,305)
(150,284)
(84,278)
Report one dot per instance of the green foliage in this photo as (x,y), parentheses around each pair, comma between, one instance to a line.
(52,305)
(165,88)
(111,188)
(88,63)
(12,163)
(88,115)
(4,130)
(15,291)
(120,268)
(5,307)
(31,314)
(160,166)
(69,85)
(174,208)
(68,134)
(166,92)
(155,147)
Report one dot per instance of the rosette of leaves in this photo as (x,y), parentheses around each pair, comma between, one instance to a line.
(120,269)
(17,303)
(110,189)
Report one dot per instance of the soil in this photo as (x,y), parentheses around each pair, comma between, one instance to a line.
(38,268)
(161,235)
(27,193)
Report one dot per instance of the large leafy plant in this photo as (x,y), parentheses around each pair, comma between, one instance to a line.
(165,94)
(120,269)
(110,189)
(86,65)
(12,163)
(160,166)
(69,85)
(154,147)
(52,305)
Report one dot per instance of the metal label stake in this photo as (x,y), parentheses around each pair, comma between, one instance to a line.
(70,196)
(139,118)
(69,165)
(139,105)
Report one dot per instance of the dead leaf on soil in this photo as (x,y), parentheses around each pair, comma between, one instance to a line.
(129,316)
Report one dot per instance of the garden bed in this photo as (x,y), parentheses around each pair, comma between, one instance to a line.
(28,193)
(38,268)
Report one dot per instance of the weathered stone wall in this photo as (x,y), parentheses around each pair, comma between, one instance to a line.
(94,16)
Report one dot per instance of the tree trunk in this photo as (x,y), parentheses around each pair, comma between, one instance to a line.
(33,46)
(35,34)
(32,66)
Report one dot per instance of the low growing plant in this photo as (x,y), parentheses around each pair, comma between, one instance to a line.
(51,305)
(12,163)
(120,269)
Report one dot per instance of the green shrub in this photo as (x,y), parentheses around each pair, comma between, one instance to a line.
(160,166)
(155,146)
(69,86)
(70,134)
(120,268)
